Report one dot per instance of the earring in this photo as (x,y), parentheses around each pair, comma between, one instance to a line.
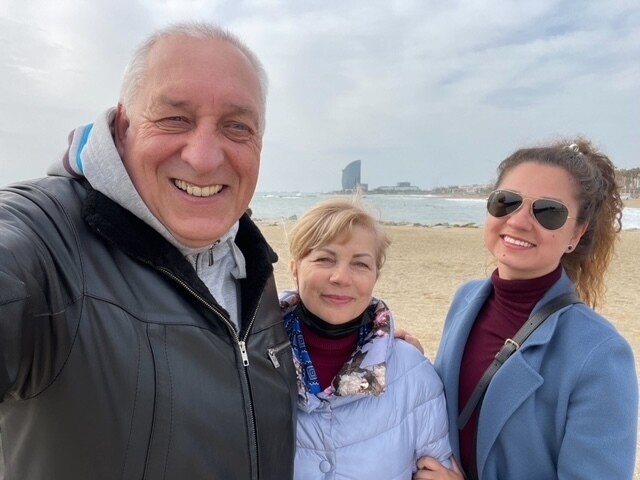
(569,248)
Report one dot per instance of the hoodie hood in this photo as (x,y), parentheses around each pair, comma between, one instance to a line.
(92,154)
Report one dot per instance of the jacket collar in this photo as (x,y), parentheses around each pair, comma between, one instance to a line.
(134,237)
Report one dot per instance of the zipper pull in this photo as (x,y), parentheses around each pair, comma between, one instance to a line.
(211,255)
(196,257)
(274,359)
(243,352)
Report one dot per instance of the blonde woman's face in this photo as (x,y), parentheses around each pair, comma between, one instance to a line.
(336,281)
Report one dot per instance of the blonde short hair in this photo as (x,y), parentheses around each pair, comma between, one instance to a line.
(331,220)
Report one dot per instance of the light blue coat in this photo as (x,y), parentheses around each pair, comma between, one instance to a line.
(564,406)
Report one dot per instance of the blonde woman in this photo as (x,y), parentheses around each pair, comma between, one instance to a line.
(369,405)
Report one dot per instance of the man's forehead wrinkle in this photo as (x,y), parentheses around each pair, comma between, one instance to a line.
(163,100)
(244,110)
(177,103)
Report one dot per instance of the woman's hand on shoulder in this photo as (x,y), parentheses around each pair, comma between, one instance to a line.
(431,469)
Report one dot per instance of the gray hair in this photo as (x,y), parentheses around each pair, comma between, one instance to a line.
(136,70)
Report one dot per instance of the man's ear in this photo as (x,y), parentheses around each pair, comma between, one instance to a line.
(121,127)
(294,271)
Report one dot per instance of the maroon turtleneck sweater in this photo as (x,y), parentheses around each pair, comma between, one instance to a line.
(328,354)
(502,315)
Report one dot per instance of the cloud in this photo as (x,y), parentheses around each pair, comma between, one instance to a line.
(434,93)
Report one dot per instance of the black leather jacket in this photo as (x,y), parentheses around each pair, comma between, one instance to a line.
(115,360)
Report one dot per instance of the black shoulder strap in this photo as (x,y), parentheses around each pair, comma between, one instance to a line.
(509,347)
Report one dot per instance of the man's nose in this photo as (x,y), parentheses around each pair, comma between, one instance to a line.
(204,150)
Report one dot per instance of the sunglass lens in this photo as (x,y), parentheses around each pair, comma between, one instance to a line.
(502,203)
(550,214)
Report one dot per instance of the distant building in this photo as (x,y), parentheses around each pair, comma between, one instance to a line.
(400,187)
(351,176)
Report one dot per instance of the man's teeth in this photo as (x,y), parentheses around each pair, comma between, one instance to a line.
(197,191)
(520,243)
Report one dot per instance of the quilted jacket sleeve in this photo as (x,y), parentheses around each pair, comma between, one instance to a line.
(431,415)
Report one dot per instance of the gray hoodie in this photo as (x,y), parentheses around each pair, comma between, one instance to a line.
(92,154)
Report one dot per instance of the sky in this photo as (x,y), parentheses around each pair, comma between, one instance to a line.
(434,92)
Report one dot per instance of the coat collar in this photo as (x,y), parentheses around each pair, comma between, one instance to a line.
(134,237)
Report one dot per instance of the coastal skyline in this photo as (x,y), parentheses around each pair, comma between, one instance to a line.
(434,93)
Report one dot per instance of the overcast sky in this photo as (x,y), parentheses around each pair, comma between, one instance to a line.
(435,92)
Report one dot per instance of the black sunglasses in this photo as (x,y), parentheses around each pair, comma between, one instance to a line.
(551,214)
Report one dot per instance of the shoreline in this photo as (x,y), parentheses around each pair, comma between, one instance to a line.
(632,203)
(291,220)
(432,212)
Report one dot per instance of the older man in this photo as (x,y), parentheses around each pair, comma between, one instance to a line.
(140,334)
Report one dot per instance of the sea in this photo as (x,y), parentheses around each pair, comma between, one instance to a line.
(421,210)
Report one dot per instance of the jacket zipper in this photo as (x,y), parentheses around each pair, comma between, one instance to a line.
(245,361)
(242,345)
(209,253)
(273,353)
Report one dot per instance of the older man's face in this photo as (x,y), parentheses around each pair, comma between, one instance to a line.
(191,140)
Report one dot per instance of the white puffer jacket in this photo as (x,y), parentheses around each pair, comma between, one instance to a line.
(385,410)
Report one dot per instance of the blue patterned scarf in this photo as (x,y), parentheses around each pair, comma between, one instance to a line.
(292,324)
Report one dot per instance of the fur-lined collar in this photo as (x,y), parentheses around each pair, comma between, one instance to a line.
(138,240)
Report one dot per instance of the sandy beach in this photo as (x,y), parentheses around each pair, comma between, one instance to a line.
(425,266)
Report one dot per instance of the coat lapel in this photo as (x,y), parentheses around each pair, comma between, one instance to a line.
(457,327)
(517,380)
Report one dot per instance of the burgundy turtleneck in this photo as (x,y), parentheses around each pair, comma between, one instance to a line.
(502,315)
(328,354)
